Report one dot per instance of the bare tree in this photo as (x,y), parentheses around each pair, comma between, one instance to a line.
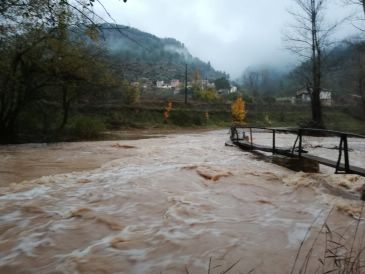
(308,38)
(357,2)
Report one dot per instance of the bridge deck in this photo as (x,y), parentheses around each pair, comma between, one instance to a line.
(248,146)
(330,163)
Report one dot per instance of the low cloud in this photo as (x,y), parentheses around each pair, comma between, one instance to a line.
(232,34)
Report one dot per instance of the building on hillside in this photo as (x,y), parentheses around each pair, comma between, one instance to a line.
(224,91)
(234,89)
(160,84)
(206,84)
(175,83)
(303,96)
(211,85)
(163,85)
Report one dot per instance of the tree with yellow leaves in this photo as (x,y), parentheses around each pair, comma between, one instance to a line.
(238,109)
(168,109)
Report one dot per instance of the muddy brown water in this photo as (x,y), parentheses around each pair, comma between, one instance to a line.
(182,203)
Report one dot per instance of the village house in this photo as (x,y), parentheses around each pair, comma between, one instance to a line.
(303,96)
(224,91)
(234,89)
(160,84)
(175,83)
(206,84)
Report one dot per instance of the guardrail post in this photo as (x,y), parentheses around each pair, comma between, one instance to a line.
(346,154)
(251,137)
(339,156)
(273,142)
(300,142)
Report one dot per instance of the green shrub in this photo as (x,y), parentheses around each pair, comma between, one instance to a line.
(87,127)
(187,118)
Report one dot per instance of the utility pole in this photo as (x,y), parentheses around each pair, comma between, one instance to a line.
(186,84)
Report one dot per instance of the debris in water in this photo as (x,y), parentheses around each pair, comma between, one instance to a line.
(88,214)
(32,209)
(84,181)
(264,202)
(351,210)
(209,173)
(123,146)
(116,242)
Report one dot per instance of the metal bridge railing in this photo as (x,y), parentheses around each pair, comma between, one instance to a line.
(297,149)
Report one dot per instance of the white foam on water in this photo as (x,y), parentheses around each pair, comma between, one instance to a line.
(164,213)
(26,195)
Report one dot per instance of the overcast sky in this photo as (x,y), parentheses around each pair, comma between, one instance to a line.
(231,34)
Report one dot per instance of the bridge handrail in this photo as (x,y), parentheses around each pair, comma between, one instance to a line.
(304,130)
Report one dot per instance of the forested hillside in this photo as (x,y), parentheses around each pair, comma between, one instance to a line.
(142,55)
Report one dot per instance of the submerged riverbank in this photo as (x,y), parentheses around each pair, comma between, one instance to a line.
(171,204)
(31,161)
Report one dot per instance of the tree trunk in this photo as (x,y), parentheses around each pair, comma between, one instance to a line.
(362,93)
(317,121)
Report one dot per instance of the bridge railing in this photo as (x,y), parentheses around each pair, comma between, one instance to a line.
(246,137)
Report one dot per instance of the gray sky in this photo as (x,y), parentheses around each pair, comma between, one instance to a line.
(231,34)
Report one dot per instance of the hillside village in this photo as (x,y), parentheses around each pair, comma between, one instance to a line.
(176,85)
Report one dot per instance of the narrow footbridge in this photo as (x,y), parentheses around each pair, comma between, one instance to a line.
(243,137)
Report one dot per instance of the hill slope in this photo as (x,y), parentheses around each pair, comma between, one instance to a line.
(143,55)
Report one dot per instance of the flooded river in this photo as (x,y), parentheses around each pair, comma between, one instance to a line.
(183,203)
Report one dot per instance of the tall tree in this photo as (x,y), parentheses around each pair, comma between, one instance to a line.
(40,48)
(308,38)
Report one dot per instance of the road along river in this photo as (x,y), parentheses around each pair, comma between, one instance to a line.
(182,203)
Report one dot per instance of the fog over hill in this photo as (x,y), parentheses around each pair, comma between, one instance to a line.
(232,35)
(144,55)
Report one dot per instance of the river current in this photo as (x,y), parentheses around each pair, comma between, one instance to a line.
(182,203)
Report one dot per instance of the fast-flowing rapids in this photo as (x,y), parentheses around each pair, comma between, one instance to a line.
(176,204)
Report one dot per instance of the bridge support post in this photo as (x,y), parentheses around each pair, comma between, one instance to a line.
(300,142)
(273,142)
(251,137)
(346,154)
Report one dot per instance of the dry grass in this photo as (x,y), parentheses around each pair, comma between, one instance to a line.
(333,250)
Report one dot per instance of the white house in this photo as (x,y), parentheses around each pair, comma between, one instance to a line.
(234,89)
(160,84)
(303,96)
(175,83)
